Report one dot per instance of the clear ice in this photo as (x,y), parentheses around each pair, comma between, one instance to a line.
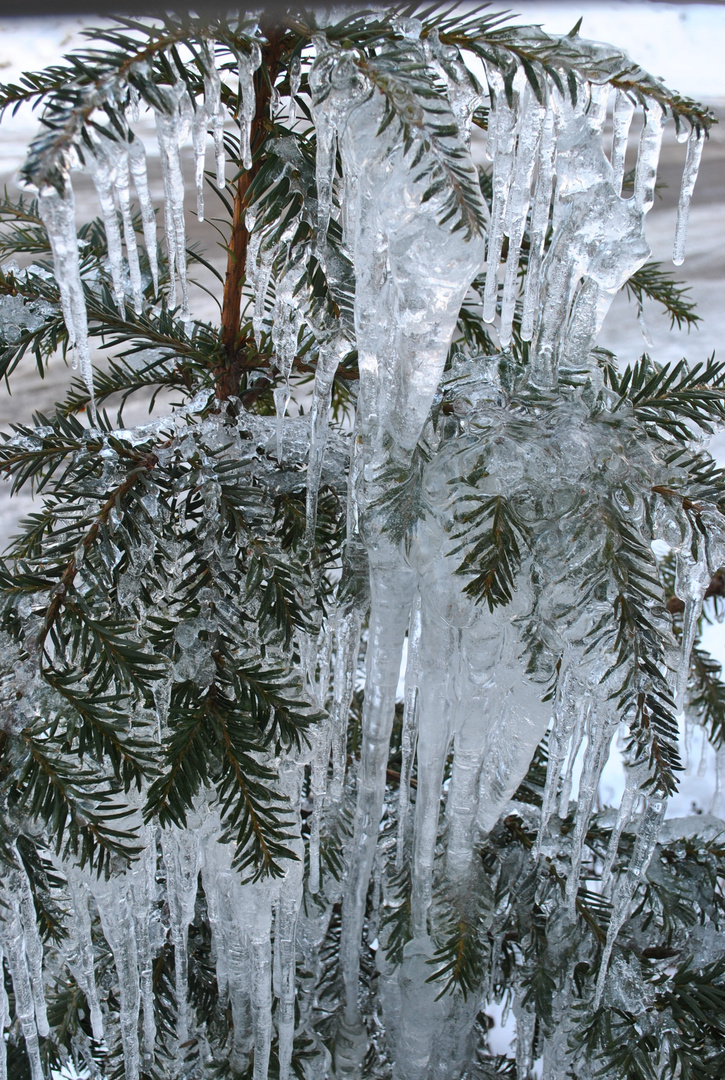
(474,711)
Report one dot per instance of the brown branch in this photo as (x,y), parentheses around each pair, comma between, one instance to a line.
(61,589)
(229,375)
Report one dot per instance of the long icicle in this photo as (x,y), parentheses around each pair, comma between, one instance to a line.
(689,176)
(621,123)
(59,217)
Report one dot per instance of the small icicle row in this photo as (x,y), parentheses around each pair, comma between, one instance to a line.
(58,213)
(689,177)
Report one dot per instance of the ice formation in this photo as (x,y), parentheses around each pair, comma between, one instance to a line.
(474,709)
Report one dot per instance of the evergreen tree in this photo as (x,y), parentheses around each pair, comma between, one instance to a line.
(223,852)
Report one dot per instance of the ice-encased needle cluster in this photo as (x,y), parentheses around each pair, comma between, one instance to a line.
(474,710)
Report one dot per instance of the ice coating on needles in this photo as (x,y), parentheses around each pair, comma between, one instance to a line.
(483,444)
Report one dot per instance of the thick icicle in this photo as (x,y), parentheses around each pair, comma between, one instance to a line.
(518,206)
(137,164)
(621,121)
(59,217)
(539,224)
(247,65)
(689,176)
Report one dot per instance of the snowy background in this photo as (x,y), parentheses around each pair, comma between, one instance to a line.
(682,43)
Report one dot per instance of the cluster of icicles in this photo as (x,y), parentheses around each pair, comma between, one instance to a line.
(466,689)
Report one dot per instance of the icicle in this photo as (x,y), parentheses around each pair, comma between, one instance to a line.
(295,76)
(143,892)
(576,741)
(4,1018)
(33,950)
(496,90)
(410,728)
(59,217)
(539,224)
(621,121)
(525,1028)
(13,941)
(648,157)
(168,130)
(635,776)
(215,111)
(99,167)
(570,703)
(532,117)
(328,358)
(247,65)
(325,117)
(137,163)
(201,119)
(181,854)
(647,834)
(689,177)
(84,965)
(281,395)
(464,93)
(115,908)
(343,687)
(121,186)
(691,581)
(601,727)
(503,168)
